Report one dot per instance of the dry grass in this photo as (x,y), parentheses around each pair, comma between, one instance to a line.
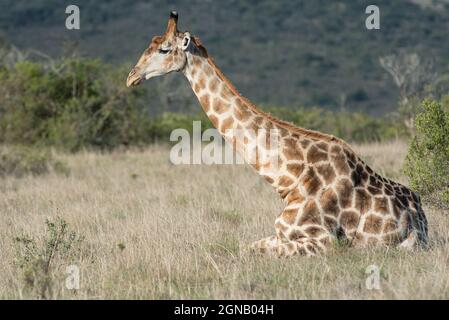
(157,231)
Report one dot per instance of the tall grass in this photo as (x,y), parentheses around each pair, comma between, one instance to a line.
(153,230)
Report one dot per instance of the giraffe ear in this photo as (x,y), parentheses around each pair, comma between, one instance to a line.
(185,41)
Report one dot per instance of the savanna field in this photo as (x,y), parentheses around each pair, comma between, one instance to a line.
(93,208)
(139,227)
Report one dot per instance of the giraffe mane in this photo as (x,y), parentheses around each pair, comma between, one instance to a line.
(286,125)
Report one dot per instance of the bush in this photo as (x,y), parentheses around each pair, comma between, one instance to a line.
(162,125)
(19,161)
(76,103)
(351,126)
(39,259)
(81,103)
(427,162)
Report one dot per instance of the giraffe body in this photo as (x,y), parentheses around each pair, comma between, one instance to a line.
(329,192)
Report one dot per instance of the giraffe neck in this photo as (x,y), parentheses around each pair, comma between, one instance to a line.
(236,119)
(221,102)
(283,165)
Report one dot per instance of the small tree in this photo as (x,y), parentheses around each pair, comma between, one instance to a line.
(413,76)
(40,259)
(427,162)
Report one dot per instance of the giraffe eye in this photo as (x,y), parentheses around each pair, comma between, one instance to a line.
(164,51)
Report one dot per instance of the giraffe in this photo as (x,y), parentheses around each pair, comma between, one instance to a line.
(329,193)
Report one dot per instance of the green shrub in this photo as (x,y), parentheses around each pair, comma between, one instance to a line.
(81,103)
(351,126)
(38,259)
(19,161)
(77,103)
(162,125)
(427,162)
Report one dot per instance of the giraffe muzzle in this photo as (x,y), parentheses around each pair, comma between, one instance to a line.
(134,78)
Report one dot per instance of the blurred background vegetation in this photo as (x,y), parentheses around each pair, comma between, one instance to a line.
(312,63)
(81,103)
(278,53)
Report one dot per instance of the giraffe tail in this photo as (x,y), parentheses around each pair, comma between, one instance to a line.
(418,232)
(422,227)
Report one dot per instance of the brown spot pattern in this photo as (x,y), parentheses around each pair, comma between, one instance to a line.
(289,215)
(292,153)
(330,223)
(374,191)
(285,181)
(227,124)
(310,181)
(314,231)
(205,103)
(295,196)
(373,224)
(323,146)
(349,219)
(202,82)
(219,105)
(329,202)
(295,169)
(381,205)
(390,225)
(296,234)
(214,120)
(304,143)
(340,164)
(242,113)
(326,172)
(362,201)
(310,214)
(315,155)
(269,179)
(344,190)
(213,84)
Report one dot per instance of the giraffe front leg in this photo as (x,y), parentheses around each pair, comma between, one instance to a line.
(297,232)
(265,245)
(274,246)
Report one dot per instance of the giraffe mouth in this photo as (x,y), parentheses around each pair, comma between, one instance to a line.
(134,82)
(134,79)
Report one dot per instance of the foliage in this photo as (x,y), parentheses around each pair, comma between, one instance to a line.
(75,104)
(162,125)
(78,103)
(427,162)
(20,160)
(39,258)
(277,52)
(356,127)
(351,126)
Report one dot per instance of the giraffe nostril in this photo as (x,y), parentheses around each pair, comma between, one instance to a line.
(134,77)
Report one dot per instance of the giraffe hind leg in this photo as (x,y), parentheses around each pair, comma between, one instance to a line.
(274,246)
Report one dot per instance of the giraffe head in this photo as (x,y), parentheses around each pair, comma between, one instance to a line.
(165,54)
